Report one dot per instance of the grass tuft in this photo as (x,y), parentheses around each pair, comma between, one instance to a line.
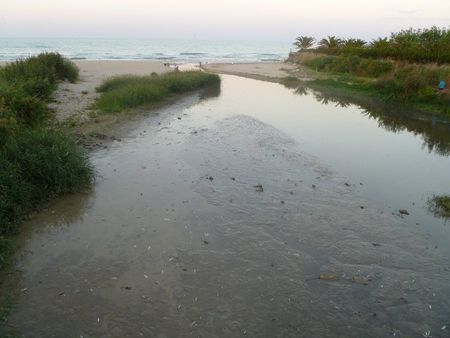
(124,92)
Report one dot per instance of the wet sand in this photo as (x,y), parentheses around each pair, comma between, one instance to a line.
(208,222)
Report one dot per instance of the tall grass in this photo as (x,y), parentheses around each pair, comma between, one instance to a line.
(26,85)
(36,162)
(126,92)
(350,64)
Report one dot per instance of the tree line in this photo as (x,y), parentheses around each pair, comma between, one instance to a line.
(412,45)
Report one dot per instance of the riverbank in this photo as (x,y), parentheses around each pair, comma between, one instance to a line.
(310,70)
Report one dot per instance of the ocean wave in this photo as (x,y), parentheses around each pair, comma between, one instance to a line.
(193,54)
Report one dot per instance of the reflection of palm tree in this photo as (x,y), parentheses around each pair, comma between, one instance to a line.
(327,99)
(304,42)
(301,90)
(330,42)
(321,98)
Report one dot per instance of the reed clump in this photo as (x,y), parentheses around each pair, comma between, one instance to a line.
(37,162)
(125,92)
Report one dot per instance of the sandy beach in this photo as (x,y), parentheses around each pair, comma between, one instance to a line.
(74,99)
(260,70)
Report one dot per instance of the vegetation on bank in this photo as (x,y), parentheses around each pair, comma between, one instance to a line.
(393,68)
(124,92)
(429,45)
(440,205)
(37,161)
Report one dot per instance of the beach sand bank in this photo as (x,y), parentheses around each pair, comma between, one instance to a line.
(272,71)
(74,99)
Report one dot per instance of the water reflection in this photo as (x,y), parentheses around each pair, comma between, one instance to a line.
(434,131)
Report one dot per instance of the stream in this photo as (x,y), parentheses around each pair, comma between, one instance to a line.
(261,211)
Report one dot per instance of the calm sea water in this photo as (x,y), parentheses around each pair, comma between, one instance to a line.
(125,49)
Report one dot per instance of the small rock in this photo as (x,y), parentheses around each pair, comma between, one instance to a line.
(403,212)
(259,188)
(347,184)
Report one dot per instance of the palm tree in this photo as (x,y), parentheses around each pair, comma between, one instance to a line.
(356,43)
(330,42)
(304,42)
(380,43)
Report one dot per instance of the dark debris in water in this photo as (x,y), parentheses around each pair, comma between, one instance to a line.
(259,188)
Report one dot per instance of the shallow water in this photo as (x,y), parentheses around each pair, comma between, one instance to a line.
(177,238)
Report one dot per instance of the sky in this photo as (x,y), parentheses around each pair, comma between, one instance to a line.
(265,20)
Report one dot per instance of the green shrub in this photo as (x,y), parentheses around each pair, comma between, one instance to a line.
(124,92)
(410,83)
(373,68)
(350,64)
(320,64)
(36,165)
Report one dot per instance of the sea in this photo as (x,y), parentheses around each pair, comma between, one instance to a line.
(176,51)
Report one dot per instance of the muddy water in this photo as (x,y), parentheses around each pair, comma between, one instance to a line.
(213,219)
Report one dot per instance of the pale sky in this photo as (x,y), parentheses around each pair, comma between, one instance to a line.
(277,20)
